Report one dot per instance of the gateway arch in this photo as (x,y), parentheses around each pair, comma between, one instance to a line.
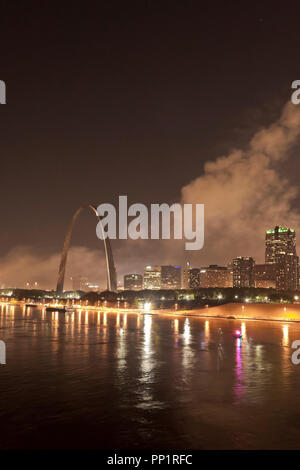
(110,265)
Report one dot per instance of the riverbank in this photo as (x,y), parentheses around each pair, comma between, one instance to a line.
(270,312)
(242,311)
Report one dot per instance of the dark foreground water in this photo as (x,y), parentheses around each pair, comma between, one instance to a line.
(117,381)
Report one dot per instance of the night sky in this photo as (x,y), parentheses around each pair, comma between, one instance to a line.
(111,98)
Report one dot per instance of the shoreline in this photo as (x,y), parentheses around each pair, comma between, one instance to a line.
(245,311)
(231,311)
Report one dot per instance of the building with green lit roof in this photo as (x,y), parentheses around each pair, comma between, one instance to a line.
(282,254)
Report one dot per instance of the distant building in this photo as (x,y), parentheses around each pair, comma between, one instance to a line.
(243,272)
(215,276)
(194,278)
(185,276)
(133,282)
(80,283)
(287,266)
(92,287)
(279,240)
(170,277)
(281,253)
(152,277)
(265,275)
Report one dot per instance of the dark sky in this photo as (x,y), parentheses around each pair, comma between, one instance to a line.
(109,98)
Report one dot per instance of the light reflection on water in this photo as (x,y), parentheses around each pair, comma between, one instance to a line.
(239,387)
(147,341)
(285,331)
(164,382)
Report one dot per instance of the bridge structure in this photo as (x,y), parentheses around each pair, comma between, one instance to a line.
(109,260)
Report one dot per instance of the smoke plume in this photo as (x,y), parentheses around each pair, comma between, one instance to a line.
(245,193)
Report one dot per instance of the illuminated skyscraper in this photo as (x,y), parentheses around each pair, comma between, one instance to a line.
(243,272)
(185,276)
(215,276)
(170,277)
(286,271)
(281,252)
(194,278)
(152,277)
(133,282)
(279,240)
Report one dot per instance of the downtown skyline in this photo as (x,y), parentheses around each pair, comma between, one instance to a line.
(280,242)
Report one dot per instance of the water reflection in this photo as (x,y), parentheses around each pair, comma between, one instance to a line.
(187,353)
(205,335)
(285,335)
(187,332)
(286,355)
(145,396)
(206,328)
(239,386)
(121,354)
(78,363)
(176,329)
(147,334)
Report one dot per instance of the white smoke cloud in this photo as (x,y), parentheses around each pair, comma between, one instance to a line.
(244,192)
(24,265)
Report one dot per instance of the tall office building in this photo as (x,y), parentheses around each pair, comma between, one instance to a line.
(287,271)
(152,277)
(170,277)
(281,252)
(279,240)
(194,278)
(185,276)
(215,276)
(133,282)
(243,272)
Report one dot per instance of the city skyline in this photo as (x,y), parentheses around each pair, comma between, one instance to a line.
(277,271)
(280,271)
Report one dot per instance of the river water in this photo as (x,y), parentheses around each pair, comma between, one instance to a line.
(95,380)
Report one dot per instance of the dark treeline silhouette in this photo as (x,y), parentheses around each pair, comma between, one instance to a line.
(181,299)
